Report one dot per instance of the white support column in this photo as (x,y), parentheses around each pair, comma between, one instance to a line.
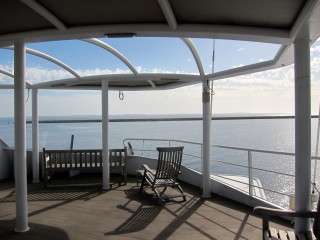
(302,128)
(35,137)
(206,140)
(105,135)
(20,159)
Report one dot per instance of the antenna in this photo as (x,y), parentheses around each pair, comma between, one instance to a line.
(213,54)
(212,69)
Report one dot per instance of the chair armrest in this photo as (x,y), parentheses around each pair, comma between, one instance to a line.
(285,213)
(147,168)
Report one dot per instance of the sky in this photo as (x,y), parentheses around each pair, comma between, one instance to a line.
(268,92)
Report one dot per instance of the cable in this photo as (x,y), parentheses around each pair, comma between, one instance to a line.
(213,54)
(210,88)
(212,71)
(28,95)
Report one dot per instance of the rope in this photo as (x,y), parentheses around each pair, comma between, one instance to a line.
(28,95)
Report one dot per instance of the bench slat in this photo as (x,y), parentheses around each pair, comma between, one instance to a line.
(283,235)
(273,234)
(291,235)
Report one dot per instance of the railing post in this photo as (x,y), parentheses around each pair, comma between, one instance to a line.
(201,157)
(105,135)
(35,136)
(142,147)
(250,173)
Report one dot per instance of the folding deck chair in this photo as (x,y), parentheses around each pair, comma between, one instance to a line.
(166,173)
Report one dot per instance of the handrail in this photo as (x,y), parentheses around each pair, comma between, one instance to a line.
(249,159)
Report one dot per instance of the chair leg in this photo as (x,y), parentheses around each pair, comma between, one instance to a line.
(182,192)
(45,180)
(164,189)
(142,183)
(161,198)
(159,195)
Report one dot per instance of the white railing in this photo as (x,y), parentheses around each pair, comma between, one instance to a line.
(147,148)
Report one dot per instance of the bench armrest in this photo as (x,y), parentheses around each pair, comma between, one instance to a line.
(285,213)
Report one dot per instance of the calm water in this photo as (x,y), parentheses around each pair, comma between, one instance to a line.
(266,134)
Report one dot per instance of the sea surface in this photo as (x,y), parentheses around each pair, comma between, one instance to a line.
(263,134)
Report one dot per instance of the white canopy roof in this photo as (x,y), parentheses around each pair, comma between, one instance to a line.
(269,21)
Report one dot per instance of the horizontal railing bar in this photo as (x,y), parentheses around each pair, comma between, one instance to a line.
(218,146)
(161,140)
(255,168)
(177,119)
(152,150)
(253,150)
(273,191)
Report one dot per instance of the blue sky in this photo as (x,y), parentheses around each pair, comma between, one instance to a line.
(266,92)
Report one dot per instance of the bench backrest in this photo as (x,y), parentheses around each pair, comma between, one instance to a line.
(72,159)
(117,157)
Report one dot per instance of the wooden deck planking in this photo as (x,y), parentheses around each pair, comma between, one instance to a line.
(122,213)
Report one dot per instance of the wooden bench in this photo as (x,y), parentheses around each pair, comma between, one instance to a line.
(81,160)
(269,233)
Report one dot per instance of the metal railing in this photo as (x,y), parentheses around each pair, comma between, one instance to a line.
(147,148)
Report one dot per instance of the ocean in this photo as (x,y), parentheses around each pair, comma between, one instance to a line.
(262,134)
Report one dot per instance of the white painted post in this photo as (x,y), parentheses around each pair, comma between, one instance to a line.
(206,106)
(35,137)
(20,158)
(105,135)
(302,128)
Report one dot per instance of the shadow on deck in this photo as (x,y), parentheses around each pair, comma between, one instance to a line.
(87,212)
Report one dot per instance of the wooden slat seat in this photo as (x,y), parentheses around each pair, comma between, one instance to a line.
(278,234)
(269,233)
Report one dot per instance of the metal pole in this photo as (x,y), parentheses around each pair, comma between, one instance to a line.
(302,128)
(105,135)
(71,143)
(20,159)
(35,136)
(250,173)
(206,172)
(317,151)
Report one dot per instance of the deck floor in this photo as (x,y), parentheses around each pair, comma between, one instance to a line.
(87,212)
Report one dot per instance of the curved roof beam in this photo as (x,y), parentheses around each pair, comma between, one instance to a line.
(113,51)
(283,58)
(7,73)
(37,7)
(116,53)
(168,13)
(28,84)
(195,54)
(51,59)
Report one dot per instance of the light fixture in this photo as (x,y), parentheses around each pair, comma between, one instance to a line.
(120,35)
